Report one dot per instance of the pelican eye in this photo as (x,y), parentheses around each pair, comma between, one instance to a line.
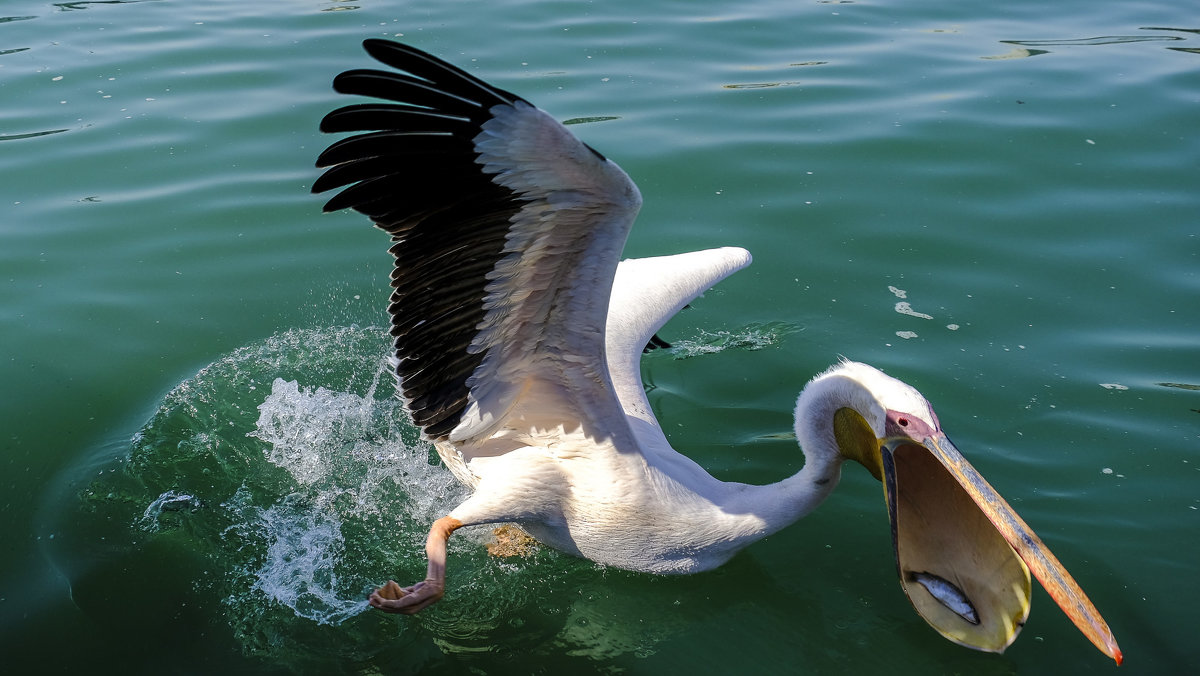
(903,422)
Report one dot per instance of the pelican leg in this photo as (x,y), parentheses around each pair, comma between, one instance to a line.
(496,500)
(392,598)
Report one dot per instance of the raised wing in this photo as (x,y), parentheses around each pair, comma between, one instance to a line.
(646,293)
(507,231)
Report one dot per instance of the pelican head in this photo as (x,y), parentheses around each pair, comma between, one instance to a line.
(962,553)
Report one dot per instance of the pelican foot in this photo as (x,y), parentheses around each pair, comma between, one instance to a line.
(511,541)
(392,598)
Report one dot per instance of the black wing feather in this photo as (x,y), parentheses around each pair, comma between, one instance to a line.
(414,173)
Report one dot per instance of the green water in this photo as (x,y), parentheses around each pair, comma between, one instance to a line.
(203,467)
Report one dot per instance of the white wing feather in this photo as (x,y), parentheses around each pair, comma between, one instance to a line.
(646,293)
(547,298)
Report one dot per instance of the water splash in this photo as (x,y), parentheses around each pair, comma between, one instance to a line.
(304,429)
(302,495)
(304,552)
(752,337)
(168,502)
(289,481)
(352,448)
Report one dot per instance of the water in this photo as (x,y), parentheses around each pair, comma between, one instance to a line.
(204,467)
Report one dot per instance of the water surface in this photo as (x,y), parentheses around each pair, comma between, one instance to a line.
(205,468)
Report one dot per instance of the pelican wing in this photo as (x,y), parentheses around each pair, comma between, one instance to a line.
(506,235)
(646,293)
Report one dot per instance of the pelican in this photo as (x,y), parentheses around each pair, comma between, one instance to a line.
(518,337)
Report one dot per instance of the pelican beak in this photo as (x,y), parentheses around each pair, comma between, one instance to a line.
(963,555)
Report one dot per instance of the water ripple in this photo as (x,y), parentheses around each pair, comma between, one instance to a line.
(32,134)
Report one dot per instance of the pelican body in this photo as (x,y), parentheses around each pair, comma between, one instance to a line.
(518,339)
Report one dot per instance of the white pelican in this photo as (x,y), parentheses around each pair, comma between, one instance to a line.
(518,336)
